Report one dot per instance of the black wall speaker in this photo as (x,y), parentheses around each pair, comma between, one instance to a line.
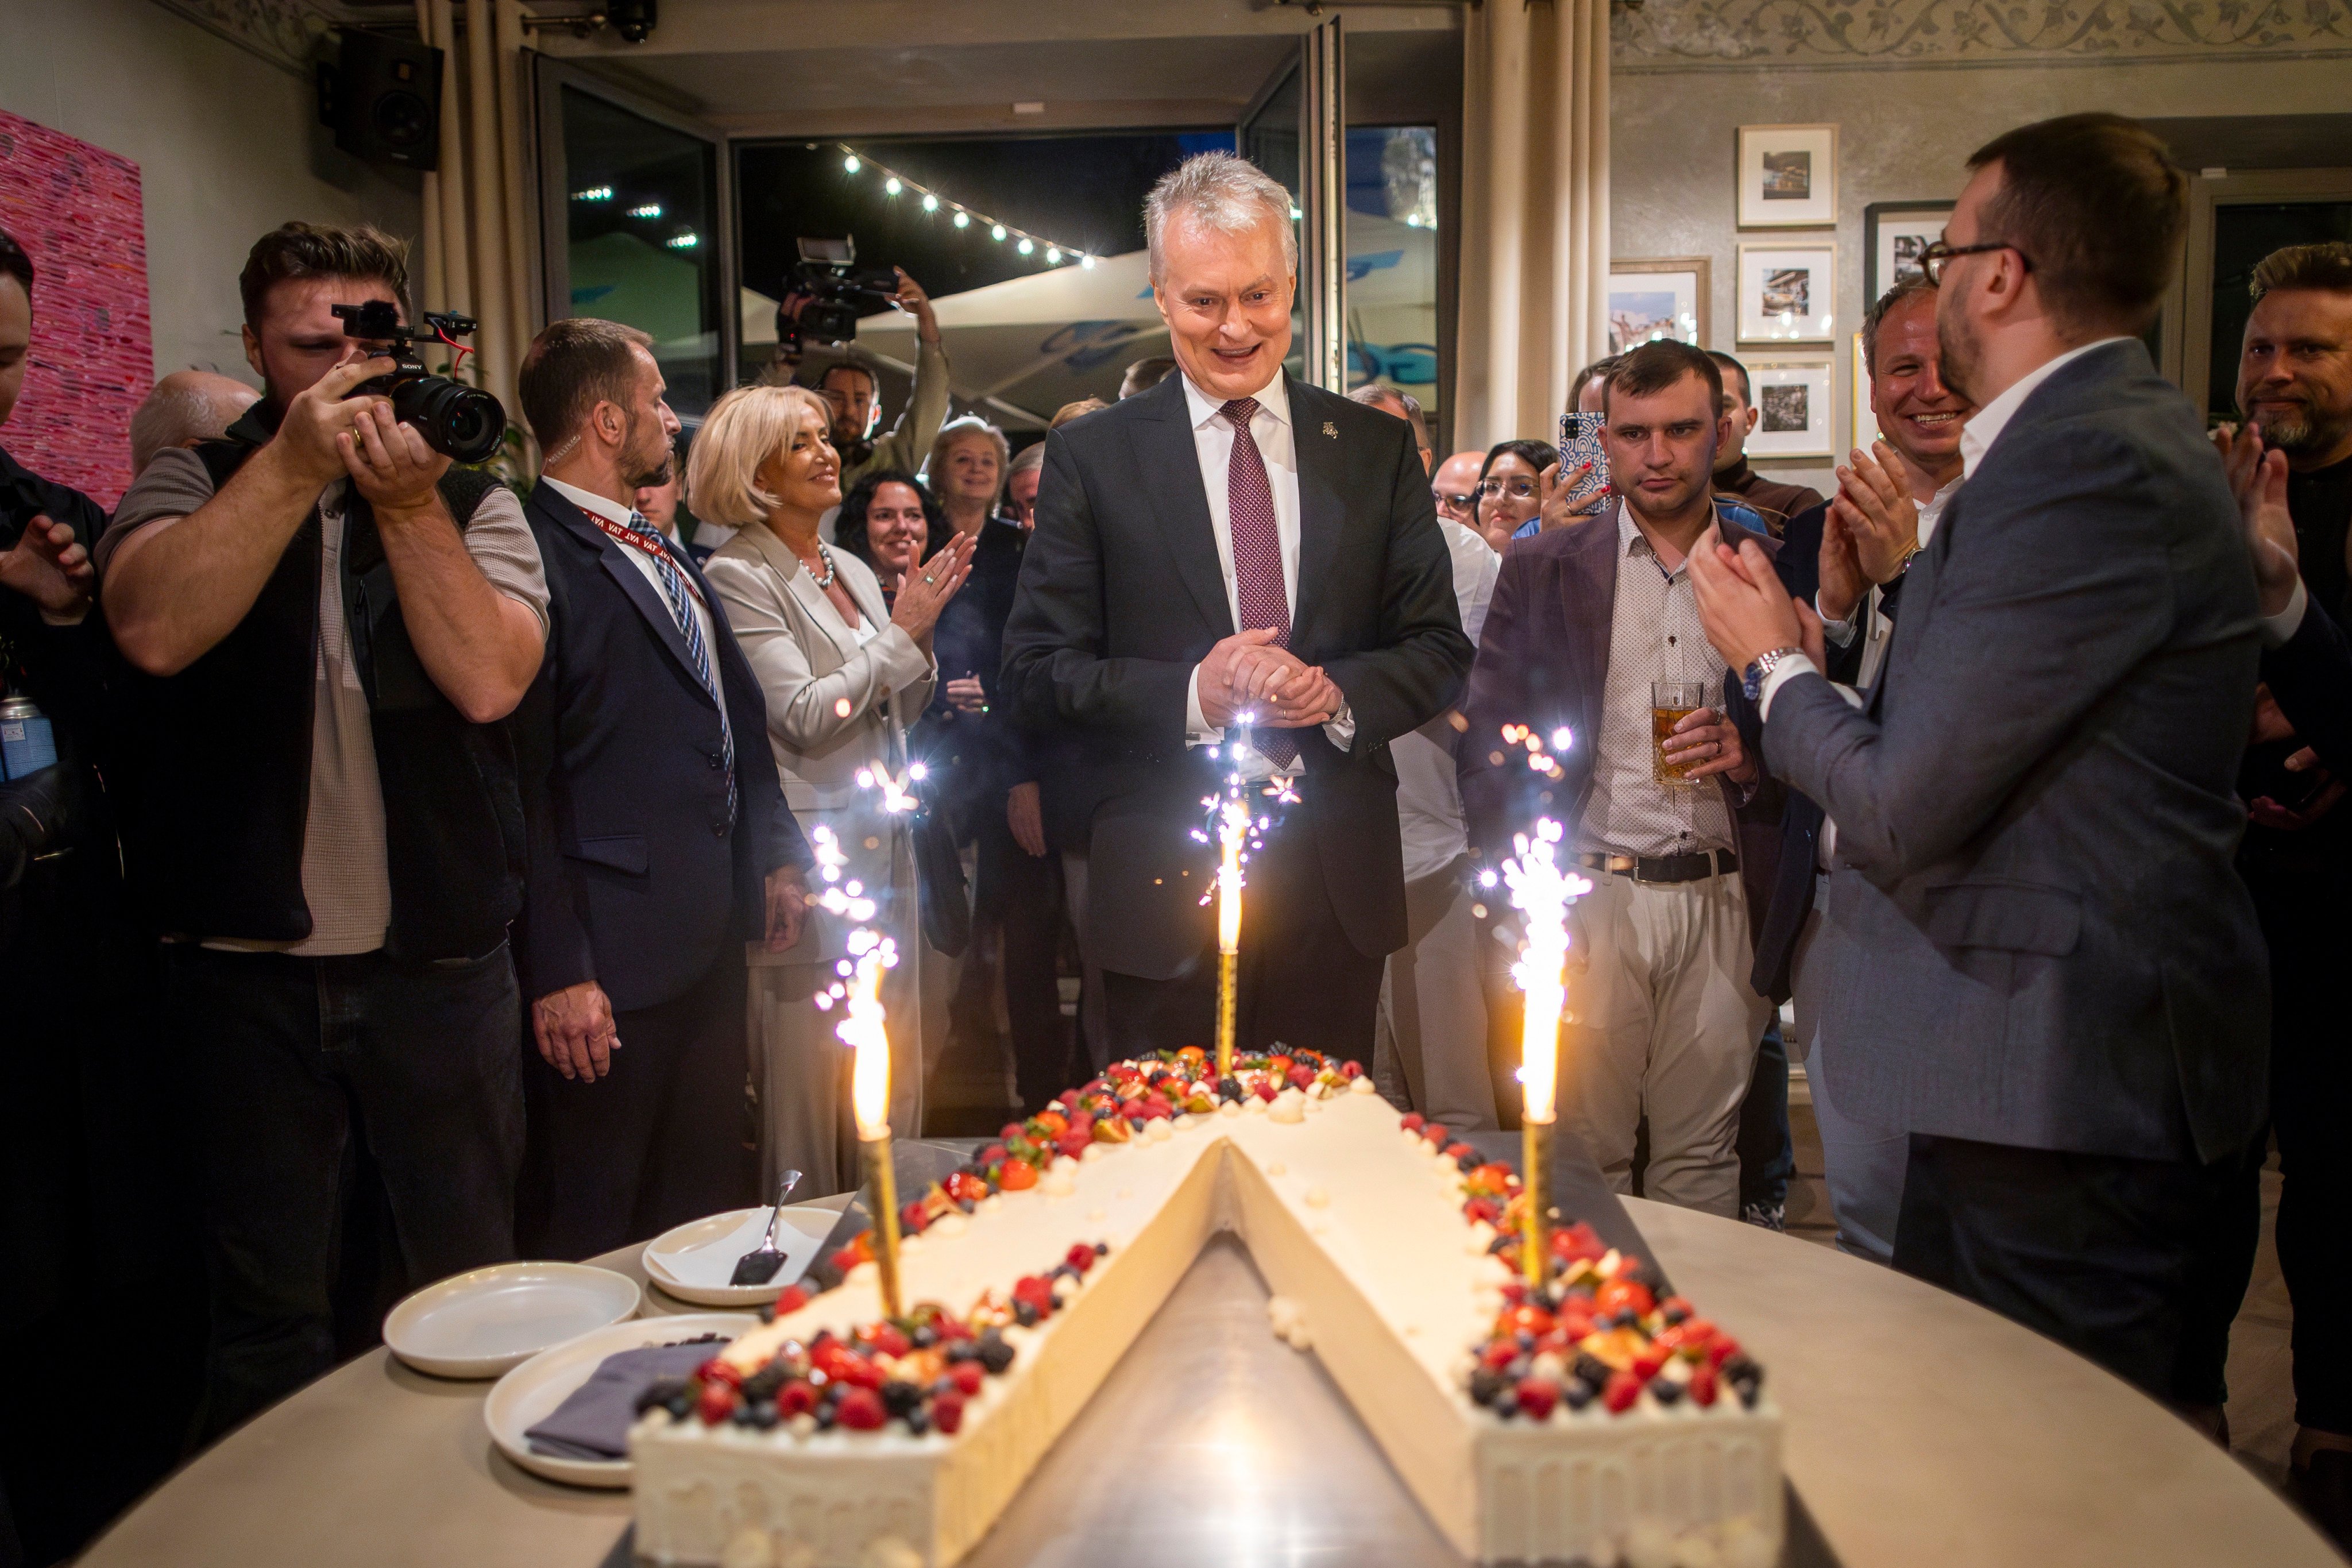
(382,100)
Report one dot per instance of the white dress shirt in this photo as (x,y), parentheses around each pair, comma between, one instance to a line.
(1984,427)
(1212,440)
(613,511)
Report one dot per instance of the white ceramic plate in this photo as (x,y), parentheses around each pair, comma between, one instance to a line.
(492,1320)
(695,1261)
(531,1391)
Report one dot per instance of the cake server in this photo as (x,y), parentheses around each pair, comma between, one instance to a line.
(759,1268)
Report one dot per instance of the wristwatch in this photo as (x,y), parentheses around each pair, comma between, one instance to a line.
(1752,679)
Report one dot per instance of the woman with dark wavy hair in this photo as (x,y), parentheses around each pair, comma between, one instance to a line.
(890,521)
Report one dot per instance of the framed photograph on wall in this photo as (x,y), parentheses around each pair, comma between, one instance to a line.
(1865,423)
(1788,176)
(1787,292)
(1794,414)
(1894,235)
(1657,297)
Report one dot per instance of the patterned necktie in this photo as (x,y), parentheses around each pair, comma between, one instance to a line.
(1257,557)
(676,589)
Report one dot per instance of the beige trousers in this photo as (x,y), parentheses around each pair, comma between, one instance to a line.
(1666,1026)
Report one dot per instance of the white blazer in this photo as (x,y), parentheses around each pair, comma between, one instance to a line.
(834,706)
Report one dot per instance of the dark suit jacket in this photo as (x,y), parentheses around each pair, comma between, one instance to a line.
(1543,661)
(1122,595)
(2310,677)
(636,880)
(2035,934)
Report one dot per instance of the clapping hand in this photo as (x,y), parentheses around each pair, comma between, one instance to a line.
(50,567)
(2258,481)
(924,592)
(1744,608)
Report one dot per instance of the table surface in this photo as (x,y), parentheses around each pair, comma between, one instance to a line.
(1921,1431)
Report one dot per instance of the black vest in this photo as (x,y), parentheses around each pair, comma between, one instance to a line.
(226,756)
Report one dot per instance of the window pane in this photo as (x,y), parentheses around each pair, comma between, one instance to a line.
(1271,142)
(1391,248)
(643,241)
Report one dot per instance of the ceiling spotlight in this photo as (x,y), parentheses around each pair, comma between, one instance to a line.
(891,186)
(686,241)
(650,209)
(963,220)
(593,193)
(931,203)
(1026,248)
(996,233)
(852,163)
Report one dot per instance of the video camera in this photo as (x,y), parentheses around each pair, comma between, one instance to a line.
(825,294)
(460,421)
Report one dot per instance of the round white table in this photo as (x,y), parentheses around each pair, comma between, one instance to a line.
(1922,1431)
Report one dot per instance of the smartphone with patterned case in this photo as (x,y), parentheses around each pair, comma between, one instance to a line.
(1580,445)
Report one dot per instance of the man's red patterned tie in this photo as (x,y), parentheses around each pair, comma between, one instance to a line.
(1257,556)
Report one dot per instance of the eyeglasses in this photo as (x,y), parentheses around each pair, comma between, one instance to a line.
(1518,489)
(1938,256)
(1458,502)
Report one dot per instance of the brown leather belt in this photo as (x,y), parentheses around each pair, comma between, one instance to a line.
(1690,868)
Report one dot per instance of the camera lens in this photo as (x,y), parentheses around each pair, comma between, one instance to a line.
(460,421)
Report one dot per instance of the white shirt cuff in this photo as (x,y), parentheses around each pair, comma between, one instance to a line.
(2278,630)
(1342,731)
(83,613)
(1842,632)
(1197,729)
(1796,663)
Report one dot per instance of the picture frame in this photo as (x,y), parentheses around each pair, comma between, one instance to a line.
(1786,292)
(1893,235)
(1788,176)
(1795,415)
(1656,297)
(1865,429)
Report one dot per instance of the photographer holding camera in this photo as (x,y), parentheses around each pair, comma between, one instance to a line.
(327,623)
(853,392)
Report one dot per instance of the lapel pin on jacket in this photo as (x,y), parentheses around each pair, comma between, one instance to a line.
(1330,429)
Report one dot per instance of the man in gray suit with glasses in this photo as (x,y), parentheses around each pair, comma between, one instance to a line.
(2038,956)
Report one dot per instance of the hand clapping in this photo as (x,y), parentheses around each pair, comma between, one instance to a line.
(927,590)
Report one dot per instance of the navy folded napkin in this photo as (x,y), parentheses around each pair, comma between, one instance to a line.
(595,1423)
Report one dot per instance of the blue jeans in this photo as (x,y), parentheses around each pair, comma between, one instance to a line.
(295,1065)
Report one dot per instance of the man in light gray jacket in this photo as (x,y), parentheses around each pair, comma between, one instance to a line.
(2038,957)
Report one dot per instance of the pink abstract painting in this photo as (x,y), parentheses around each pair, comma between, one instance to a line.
(75,209)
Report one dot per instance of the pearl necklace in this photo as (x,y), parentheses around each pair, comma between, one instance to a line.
(825,555)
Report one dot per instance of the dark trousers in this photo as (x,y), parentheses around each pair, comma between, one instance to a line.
(1020,898)
(1768,1154)
(2300,899)
(660,1140)
(2107,1256)
(1301,980)
(307,1074)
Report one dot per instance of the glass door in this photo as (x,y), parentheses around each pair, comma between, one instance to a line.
(635,217)
(1294,131)
(2235,220)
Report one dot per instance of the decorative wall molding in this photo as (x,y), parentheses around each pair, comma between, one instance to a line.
(1683,35)
(283,32)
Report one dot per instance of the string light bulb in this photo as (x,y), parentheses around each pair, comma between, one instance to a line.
(852,163)
(1026,248)
(891,186)
(894,183)
(996,232)
(963,220)
(1052,256)
(931,203)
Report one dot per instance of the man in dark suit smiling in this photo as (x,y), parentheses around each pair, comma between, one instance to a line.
(1232,546)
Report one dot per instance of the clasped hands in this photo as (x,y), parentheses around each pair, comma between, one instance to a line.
(1248,674)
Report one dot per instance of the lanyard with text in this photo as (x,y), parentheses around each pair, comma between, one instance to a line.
(651,546)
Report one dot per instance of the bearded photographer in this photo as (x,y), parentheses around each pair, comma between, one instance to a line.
(327,623)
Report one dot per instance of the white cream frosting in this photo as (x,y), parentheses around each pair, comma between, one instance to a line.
(1375,1268)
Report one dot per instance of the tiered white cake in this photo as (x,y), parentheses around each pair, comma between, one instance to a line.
(1616,1429)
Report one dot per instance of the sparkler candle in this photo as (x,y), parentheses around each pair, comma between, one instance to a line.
(1542,890)
(1233,828)
(869,1098)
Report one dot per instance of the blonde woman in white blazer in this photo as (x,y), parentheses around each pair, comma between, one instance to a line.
(843,676)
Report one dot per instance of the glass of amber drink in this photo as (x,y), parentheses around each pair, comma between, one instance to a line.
(1671,702)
